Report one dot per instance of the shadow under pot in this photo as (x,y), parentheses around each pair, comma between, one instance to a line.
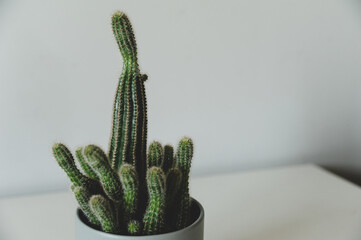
(195,231)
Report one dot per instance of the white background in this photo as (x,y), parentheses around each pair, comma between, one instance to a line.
(254,83)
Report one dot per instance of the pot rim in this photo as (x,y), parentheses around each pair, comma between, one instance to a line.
(188,228)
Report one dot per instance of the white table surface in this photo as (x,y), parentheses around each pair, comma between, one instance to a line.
(290,203)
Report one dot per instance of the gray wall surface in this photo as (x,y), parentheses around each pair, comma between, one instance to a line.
(256,84)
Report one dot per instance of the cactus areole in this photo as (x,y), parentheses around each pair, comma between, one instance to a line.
(130,190)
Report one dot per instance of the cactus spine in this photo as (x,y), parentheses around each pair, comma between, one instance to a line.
(128,191)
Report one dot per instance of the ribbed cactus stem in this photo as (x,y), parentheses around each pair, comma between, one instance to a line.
(103,210)
(84,165)
(174,181)
(109,180)
(66,162)
(168,161)
(154,216)
(130,183)
(133,227)
(129,130)
(155,155)
(82,195)
(184,159)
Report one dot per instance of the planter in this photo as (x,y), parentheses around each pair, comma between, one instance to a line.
(83,230)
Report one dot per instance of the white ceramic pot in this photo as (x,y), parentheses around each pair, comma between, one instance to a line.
(193,232)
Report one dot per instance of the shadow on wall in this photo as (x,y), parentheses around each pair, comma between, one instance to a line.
(352,175)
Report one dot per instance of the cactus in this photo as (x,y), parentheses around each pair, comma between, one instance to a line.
(154,215)
(66,161)
(168,161)
(107,176)
(104,212)
(184,158)
(155,155)
(133,227)
(85,166)
(127,190)
(173,181)
(129,179)
(82,195)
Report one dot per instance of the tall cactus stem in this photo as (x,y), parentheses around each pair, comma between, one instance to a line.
(129,118)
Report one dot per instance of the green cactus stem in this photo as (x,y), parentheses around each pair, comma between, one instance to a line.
(184,159)
(168,161)
(84,165)
(82,195)
(155,155)
(103,210)
(66,162)
(174,180)
(133,227)
(154,215)
(129,179)
(129,130)
(98,161)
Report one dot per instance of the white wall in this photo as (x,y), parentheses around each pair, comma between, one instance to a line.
(254,83)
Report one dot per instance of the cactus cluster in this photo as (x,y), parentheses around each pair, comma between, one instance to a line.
(130,190)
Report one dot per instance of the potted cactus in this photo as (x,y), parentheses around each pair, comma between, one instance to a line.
(130,192)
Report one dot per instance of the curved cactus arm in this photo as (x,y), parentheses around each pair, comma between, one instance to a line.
(109,180)
(82,195)
(133,227)
(154,215)
(66,162)
(84,165)
(168,161)
(184,159)
(155,155)
(129,179)
(102,209)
